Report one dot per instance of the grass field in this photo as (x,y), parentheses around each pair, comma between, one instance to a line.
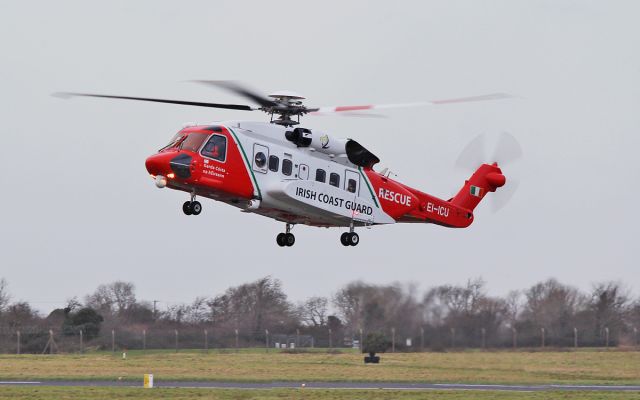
(76,393)
(571,367)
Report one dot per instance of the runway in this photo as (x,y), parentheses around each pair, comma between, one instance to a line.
(329,385)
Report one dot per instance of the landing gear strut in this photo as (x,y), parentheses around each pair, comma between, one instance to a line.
(287,238)
(192,207)
(350,238)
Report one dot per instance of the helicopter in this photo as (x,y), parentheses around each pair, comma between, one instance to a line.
(299,175)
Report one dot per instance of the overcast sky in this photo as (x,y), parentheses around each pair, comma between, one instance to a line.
(78,208)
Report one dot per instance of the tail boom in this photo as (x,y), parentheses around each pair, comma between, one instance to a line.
(458,211)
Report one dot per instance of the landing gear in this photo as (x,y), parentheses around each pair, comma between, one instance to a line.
(350,238)
(186,208)
(287,238)
(343,238)
(192,207)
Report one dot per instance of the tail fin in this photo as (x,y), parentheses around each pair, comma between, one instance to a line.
(487,178)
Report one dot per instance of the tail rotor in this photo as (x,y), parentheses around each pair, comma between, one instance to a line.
(505,151)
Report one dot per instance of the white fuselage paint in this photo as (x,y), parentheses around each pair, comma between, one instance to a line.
(309,201)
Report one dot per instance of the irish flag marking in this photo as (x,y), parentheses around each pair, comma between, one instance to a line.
(476,191)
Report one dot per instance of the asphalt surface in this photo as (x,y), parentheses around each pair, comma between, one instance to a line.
(329,385)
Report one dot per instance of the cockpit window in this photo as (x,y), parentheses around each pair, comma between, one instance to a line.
(216,148)
(174,141)
(193,141)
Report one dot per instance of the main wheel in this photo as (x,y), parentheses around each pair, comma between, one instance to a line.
(343,238)
(280,239)
(186,208)
(289,239)
(196,207)
(353,239)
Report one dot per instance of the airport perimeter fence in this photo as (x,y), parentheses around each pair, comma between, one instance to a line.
(39,340)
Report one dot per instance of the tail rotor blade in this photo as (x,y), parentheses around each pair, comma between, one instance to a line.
(504,194)
(507,149)
(473,155)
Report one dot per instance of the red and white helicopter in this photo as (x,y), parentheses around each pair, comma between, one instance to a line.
(301,175)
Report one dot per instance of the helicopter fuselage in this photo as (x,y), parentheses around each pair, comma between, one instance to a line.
(303,176)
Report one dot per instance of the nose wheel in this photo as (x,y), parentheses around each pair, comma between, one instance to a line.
(287,238)
(192,207)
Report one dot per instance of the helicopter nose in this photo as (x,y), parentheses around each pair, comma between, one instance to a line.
(156,165)
(170,165)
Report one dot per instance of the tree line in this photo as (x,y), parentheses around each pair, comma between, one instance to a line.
(549,313)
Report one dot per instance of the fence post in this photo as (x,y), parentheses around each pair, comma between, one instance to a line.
(297,338)
(635,336)
(144,340)
(393,340)
(51,340)
(266,333)
(453,338)
(18,344)
(176,332)
(606,335)
(421,338)
(515,337)
(236,340)
(575,337)
(484,338)
(81,342)
(542,333)
(361,344)
(113,340)
(330,339)
(206,341)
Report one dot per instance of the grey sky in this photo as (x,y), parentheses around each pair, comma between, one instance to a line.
(78,209)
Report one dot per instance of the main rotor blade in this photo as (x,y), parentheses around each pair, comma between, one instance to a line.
(336,109)
(241,90)
(181,102)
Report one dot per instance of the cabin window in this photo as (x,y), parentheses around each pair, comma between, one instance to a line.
(352,185)
(274,163)
(321,175)
(334,179)
(260,159)
(193,141)
(287,167)
(216,148)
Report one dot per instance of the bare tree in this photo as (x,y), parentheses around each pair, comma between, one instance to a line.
(73,304)
(513,306)
(114,298)
(314,311)
(552,305)
(379,308)
(254,306)
(5,298)
(610,303)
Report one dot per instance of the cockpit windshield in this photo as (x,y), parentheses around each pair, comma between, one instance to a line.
(187,141)
(194,141)
(174,141)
